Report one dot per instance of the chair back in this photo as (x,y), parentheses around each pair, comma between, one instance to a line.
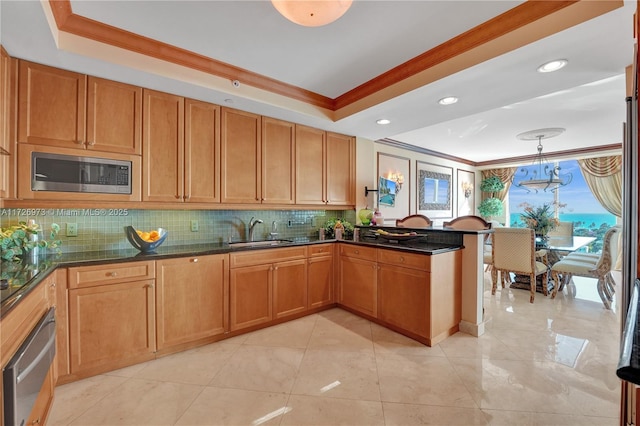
(414,221)
(514,249)
(564,229)
(470,222)
(610,249)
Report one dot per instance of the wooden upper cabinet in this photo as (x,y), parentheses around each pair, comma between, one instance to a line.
(278,161)
(201,152)
(340,169)
(310,165)
(67,109)
(51,105)
(241,157)
(163,147)
(114,116)
(5,141)
(325,167)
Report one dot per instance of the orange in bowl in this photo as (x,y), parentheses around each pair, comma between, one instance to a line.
(145,241)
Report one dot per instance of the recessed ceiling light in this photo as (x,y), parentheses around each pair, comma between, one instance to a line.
(552,65)
(448,100)
(383,121)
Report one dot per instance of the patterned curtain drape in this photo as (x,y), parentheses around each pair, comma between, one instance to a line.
(505,175)
(604,178)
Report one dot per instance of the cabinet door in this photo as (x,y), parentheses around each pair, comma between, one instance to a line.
(404,298)
(289,288)
(163,146)
(114,116)
(310,161)
(5,141)
(340,169)
(358,285)
(240,150)
(190,299)
(111,326)
(202,152)
(278,161)
(51,105)
(250,297)
(320,281)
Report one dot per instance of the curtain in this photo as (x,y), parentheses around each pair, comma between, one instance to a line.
(604,178)
(505,175)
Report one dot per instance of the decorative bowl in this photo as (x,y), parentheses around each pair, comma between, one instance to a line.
(142,245)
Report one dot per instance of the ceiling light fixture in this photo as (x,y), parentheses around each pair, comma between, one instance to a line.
(449,100)
(541,176)
(383,121)
(553,65)
(312,13)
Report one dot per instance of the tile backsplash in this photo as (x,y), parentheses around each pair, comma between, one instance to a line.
(103,229)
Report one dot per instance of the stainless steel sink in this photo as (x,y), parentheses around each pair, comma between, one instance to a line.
(267,243)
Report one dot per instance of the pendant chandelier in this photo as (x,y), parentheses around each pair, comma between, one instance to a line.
(312,13)
(541,175)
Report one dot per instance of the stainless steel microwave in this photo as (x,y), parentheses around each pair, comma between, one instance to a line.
(68,173)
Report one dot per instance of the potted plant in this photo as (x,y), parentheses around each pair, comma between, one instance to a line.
(491,206)
(18,240)
(541,220)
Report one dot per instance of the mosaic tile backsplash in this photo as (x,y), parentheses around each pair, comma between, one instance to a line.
(103,229)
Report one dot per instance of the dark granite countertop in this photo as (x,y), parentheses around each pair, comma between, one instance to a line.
(19,278)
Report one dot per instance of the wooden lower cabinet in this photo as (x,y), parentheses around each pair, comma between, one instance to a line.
(418,295)
(250,296)
(289,288)
(320,276)
(111,326)
(404,298)
(191,294)
(358,279)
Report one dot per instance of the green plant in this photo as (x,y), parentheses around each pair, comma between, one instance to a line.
(491,184)
(329,225)
(18,239)
(540,219)
(490,207)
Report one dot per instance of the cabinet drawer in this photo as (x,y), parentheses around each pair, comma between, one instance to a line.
(260,257)
(358,252)
(407,260)
(317,250)
(89,276)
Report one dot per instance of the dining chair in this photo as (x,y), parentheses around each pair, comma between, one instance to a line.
(563,230)
(514,251)
(571,266)
(473,222)
(414,221)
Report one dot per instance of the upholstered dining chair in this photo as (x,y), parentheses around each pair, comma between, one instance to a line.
(414,221)
(474,223)
(586,266)
(514,251)
(565,230)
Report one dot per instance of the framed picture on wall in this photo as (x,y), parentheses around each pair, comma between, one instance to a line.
(434,190)
(394,186)
(466,194)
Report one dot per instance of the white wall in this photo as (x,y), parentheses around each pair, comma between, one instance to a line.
(366,175)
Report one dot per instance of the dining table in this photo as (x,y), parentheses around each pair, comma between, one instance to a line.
(556,247)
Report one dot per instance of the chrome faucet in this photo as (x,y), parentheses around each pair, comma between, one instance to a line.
(252,223)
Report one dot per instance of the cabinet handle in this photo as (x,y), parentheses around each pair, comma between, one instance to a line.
(53,285)
(36,421)
(113,274)
(177,197)
(401,259)
(78,142)
(275,268)
(91,143)
(194,260)
(356,251)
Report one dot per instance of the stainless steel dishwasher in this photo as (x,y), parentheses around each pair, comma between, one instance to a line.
(26,371)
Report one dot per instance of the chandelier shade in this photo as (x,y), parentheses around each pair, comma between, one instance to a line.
(312,13)
(541,175)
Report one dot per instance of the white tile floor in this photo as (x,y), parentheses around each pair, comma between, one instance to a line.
(548,363)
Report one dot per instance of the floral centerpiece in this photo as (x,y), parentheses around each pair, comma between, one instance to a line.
(540,219)
(17,240)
